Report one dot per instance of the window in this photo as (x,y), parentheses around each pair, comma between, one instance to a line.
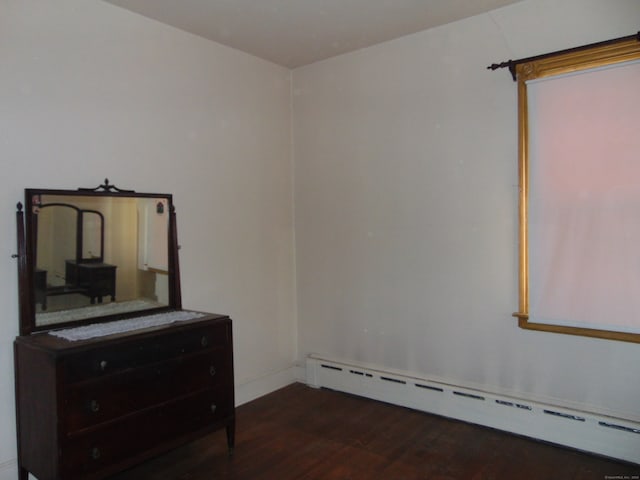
(579,178)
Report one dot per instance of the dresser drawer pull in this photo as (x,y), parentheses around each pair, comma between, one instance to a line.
(204,341)
(212,370)
(103,365)
(95,453)
(213,408)
(94,406)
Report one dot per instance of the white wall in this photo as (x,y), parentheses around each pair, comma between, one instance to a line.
(406,209)
(88,91)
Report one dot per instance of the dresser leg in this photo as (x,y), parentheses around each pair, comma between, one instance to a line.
(23,474)
(231,437)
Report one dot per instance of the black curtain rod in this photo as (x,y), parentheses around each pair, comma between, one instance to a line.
(511,64)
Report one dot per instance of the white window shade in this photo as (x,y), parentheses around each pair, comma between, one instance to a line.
(584,199)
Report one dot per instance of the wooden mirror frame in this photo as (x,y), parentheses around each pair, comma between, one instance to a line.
(27,250)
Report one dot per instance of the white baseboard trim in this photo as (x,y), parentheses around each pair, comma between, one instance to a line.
(253,389)
(300,373)
(590,432)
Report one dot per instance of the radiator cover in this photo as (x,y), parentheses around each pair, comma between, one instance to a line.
(589,432)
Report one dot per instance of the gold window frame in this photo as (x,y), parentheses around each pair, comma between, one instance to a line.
(575,60)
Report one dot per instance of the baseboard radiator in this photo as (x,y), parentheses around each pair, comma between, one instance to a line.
(602,435)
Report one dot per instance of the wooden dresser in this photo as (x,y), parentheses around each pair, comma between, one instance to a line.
(87,409)
(89,406)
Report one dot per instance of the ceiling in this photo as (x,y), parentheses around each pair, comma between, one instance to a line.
(293,33)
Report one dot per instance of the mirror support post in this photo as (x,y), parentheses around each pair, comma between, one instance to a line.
(25,305)
(174,264)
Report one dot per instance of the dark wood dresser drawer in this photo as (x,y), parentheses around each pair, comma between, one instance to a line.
(133,435)
(102,399)
(95,407)
(137,353)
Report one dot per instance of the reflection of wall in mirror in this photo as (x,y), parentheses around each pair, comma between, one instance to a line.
(123,246)
(153,249)
(153,234)
(162,289)
(120,219)
(56,238)
(45,239)
(91,231)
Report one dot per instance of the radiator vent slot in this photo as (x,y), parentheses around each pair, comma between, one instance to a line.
(514,405)
(429,387)
(394,380)
(331,367)
(564,415)
(356,372)
(468,395)
(620,427)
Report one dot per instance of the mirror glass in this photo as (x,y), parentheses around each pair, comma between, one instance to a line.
(97,255)
(92,224)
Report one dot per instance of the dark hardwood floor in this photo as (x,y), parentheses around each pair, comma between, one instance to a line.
(304,433)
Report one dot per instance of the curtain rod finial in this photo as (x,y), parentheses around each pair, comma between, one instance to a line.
(495,66)
(508,64)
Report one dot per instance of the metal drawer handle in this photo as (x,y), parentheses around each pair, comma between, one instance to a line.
(95,453)
(212,370)
(94,406)
(204,341)
(213,408)
(103,365)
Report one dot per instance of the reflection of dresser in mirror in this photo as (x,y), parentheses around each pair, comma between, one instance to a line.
(86,274)
(93,279)
(40,287)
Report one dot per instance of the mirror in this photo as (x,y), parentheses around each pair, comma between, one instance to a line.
(95,255)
